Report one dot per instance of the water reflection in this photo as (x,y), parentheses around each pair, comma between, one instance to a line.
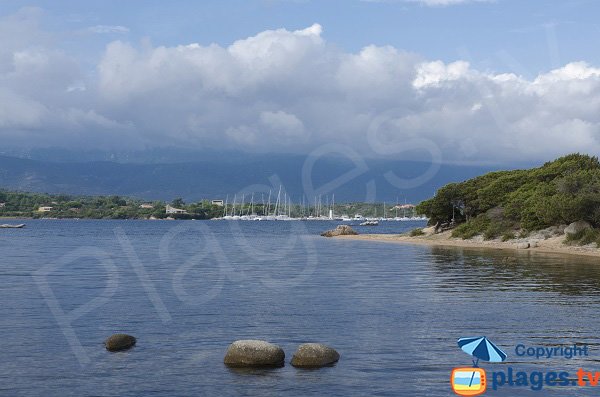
(507,270)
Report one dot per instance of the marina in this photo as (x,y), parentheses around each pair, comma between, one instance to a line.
(280,207)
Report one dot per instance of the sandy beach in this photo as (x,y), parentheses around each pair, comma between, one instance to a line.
(549,245)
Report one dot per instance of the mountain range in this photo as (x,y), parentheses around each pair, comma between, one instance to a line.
(218,176)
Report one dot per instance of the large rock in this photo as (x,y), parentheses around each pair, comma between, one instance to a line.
(314,355)
(118,342)
(577,227)
(534,244)
(254,353)
(341,230)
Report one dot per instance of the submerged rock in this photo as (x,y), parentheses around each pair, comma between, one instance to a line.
(577,227)
(118,342)
(314,355)
(341,230)
(254,353)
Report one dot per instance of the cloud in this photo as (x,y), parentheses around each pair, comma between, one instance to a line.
(431,3)
(102,29)
(436,3)
(283,124)
(289,91)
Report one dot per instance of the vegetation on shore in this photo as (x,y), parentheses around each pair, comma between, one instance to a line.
(416,232)
(507,204)
(27,205)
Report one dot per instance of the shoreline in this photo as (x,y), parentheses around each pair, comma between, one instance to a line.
(553,245)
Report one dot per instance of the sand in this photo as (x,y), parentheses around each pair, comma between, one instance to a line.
(548,245)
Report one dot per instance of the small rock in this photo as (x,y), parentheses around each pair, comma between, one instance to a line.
(118,342)
(533,244)
(314,355)
(341,230)
(577,227)
(254,353)
(523,246)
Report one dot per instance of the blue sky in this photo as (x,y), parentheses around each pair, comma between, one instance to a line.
(468,80)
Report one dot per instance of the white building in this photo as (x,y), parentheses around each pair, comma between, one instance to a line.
(220,203)
(45,209)
(172,210)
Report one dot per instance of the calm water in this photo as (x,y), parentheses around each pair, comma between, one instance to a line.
(188,289)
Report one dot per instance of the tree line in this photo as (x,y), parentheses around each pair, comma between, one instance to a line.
(559,192)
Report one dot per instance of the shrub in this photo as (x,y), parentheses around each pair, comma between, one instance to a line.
(472,228)
(508,236)
(584,237)
(494,230)
(417,232)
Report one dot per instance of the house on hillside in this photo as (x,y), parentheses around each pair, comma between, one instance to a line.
(45,209)
(220,203)
(404,207)
(172,210)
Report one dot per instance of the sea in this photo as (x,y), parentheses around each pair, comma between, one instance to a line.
(188,289)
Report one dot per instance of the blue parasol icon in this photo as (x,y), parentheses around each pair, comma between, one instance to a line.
(482,349)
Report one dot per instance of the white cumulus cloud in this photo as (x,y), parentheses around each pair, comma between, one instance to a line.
(289,91)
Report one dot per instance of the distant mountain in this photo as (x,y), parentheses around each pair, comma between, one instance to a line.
(217,177)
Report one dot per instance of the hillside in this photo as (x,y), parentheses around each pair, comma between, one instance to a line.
(507,203)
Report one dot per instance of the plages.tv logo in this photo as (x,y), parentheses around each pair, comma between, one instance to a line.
(471,381)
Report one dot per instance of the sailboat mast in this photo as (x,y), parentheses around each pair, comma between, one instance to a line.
(269,204)
(277,203)
(319,205)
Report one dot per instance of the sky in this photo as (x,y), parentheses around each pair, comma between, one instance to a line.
(470,81)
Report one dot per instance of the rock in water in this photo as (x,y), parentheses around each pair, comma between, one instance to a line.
(341,230)
(314,355)
(522,246)
(254,353)
(577,227)
(118,342)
